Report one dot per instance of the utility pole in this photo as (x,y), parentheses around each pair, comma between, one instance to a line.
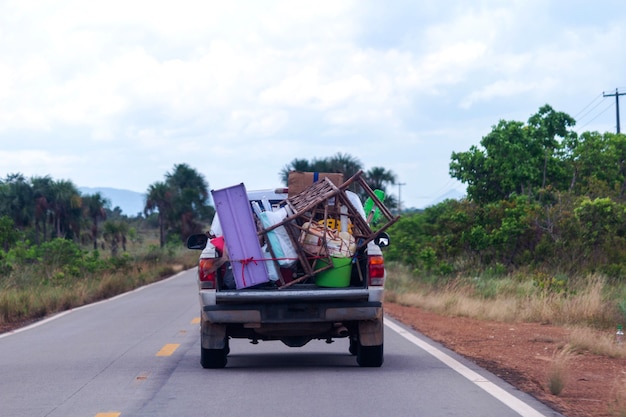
(616,94)
(400,184)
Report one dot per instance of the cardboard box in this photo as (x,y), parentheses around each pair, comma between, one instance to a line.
(298,180)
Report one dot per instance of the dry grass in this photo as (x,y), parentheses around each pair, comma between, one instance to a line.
(33,301)
(459,304)
(596,341)
(618,407)
(558,370)
(585,308)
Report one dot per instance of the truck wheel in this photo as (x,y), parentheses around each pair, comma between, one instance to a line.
(213,358)
(369,356)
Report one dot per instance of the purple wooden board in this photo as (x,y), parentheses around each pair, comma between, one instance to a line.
(240,236)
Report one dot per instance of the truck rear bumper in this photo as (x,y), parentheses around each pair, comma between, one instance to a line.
(293,312)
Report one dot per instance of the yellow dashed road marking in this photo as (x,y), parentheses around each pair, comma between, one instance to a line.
(196,320)
(168,349)
(108,414)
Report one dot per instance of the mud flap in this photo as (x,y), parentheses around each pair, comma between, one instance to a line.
(213,336)
(371,332)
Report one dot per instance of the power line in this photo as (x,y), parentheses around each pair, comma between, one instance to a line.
(595,117)
(585,108)
(589,111)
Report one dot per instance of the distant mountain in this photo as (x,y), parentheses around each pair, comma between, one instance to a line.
(452,194)
(130,202)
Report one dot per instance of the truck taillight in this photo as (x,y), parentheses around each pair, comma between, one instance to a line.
(207,273)
(376,265)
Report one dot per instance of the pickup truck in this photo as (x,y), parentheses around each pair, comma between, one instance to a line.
(295,313)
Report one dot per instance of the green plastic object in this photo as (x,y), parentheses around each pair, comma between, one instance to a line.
(371,210)
(338,276)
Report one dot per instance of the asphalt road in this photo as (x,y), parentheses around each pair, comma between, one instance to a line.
(138,355)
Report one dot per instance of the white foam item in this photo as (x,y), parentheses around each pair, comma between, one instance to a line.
(279,239)
(272,272)
(356,202)
(216,227)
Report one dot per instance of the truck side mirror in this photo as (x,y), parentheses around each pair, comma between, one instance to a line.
(382,240)
(198,241)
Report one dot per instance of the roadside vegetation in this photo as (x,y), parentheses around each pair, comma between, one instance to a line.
(60,249)
(540,236)
(59,275)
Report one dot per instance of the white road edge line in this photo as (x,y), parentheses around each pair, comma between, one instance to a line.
(66,312)
(495,391)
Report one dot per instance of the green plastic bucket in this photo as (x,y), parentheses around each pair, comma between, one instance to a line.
(338,276)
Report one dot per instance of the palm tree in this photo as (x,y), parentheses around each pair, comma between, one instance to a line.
(16,200)
(339,163)
(159,199)
(346,164)
(66,204)
(115,234)
(42,193)
(94,206)
(9,235)
(295,165)
(190,199)
(379,178)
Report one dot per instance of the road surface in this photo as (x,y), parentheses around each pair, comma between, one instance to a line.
(138,355)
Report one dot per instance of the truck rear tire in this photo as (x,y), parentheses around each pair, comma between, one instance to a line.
(369,356)
(353,349)
(369,343)
(213,358)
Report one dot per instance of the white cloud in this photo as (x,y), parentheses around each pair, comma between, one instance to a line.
(120,91)
(34,162)
(498,89)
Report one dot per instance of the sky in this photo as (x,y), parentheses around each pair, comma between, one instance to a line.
(116,93)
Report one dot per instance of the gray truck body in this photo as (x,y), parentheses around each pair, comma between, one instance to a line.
(296,314)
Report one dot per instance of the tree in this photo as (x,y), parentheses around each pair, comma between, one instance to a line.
(115,234)
(159,199)
(597,164)
(344,163)
(181,202)
(376,178)
(545,126)
(516,158)
(296,165)
(43,195)
(190,196)
(9,235)
(66,206)
(16,200)
(94,206)
(339,163)
(473,169)
(599,219)
(379,178)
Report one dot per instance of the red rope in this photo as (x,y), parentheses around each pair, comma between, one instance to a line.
(245,262)
(251,259)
